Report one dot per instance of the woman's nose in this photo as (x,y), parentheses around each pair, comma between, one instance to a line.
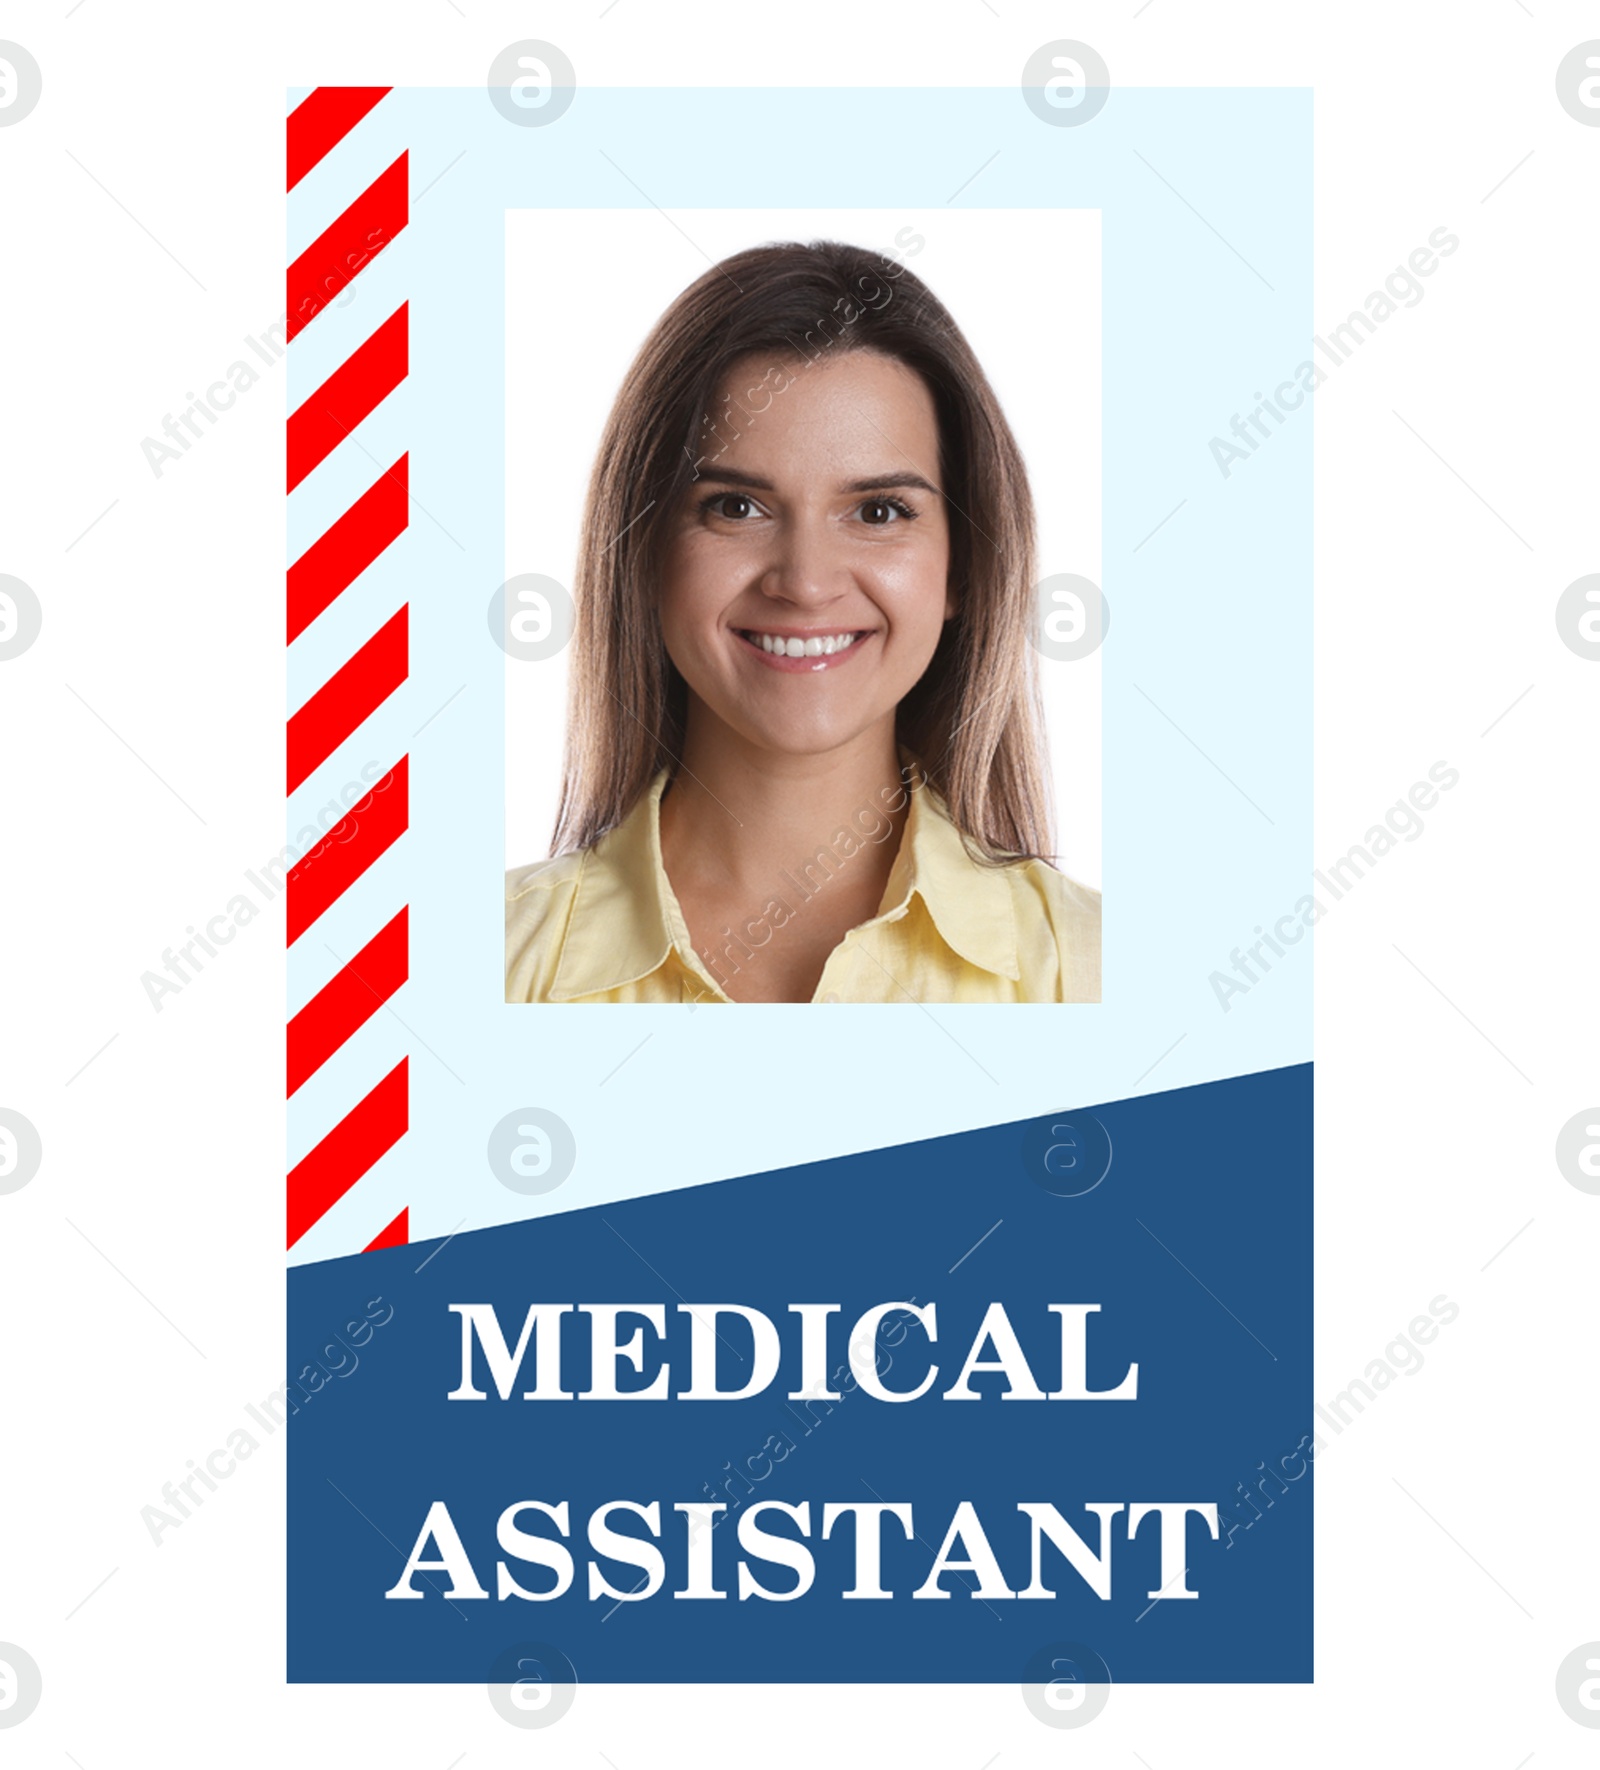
(808,567)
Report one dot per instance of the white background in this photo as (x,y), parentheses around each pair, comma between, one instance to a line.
(1458,1554)
(1046,376)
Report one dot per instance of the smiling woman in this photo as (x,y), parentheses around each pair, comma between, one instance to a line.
(804,757)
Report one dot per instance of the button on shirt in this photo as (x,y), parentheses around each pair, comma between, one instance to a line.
(604,925)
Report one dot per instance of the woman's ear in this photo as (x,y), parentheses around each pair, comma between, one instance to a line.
(950,600)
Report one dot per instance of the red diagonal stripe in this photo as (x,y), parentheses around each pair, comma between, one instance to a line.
(348,849)
(396,1235)
(319,123)
(332,564)
(354,691)
(342,251)
(318,1183)
(348,395)
(348,1000)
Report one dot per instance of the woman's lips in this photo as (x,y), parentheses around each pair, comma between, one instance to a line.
(777,649)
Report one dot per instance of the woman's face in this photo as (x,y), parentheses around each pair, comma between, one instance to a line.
(806,576)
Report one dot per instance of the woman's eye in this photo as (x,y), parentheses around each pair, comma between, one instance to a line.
(736,507)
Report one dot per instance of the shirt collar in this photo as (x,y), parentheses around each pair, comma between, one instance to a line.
(969,902)
(625,919)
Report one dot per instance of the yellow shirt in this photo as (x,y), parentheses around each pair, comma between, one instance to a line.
(604,925)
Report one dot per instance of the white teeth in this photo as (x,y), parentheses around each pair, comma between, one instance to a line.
(822,646)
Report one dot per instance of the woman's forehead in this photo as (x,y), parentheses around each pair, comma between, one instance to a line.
(857,416)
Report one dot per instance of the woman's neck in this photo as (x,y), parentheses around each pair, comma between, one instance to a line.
(738,815)
(742,829)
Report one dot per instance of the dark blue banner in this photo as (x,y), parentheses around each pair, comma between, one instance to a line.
(1104,1318)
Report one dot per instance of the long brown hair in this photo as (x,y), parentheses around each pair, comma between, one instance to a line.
(973,720)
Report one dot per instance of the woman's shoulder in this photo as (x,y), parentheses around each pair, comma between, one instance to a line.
(1063,916)
(538,898)
(539,901)
(1067,899)
(541,880)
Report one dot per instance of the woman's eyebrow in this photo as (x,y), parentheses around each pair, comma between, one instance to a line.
(882,482)
(888,482)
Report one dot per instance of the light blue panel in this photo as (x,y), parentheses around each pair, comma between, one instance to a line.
(1207,669)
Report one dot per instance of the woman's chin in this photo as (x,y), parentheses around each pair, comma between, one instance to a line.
(795,739)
